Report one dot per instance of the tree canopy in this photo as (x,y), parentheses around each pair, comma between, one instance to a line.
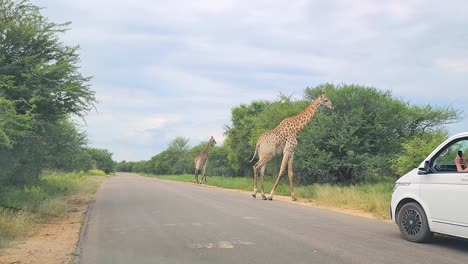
(354,142)
(40,89)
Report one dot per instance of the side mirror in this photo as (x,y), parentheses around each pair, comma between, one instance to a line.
(426,169)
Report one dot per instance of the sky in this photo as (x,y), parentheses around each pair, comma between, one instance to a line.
(167,69)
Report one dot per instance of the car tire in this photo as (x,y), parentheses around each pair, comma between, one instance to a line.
(412,222)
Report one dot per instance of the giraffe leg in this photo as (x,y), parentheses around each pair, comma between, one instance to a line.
(255,175)
(281,172)
(262,174)
(203,175)
(290,176)
(195,179)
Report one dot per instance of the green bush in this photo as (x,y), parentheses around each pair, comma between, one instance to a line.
(102,159)
(416,150)
(96,172)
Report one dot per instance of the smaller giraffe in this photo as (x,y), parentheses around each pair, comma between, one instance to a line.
(201,160)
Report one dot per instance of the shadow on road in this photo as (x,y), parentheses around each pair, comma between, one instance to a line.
(454,243)
(438,241)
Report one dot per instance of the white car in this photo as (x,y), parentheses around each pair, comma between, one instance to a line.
(433,198)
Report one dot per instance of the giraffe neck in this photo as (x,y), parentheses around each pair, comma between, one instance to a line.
(207,149)
(302,119)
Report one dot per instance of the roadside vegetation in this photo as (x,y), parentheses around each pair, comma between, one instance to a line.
(52,196)
(41,93)
(369,136)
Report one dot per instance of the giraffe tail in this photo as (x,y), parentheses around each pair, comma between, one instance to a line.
(255,154)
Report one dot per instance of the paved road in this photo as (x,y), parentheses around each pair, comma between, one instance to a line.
(143,220)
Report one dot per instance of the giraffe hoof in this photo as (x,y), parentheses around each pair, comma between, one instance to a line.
(254,195)
(270,198)
(294,199)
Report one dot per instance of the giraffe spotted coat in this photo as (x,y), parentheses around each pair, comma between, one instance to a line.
(282,139)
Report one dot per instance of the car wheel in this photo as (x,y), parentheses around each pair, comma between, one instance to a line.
(412,222)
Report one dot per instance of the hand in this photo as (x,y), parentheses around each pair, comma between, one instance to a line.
(459,161)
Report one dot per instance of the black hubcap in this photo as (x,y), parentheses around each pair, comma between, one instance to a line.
(411,222)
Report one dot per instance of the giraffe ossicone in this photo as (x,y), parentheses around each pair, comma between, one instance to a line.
(283,139)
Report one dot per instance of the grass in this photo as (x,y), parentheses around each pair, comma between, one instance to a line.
(14,225)
(96,172)
(22,207)
(373,198)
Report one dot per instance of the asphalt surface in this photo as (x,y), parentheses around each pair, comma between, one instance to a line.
(142,220)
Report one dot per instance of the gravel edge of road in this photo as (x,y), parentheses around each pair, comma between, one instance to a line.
(83,231)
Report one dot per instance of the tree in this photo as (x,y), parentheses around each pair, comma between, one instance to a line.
(63,145)
(40,88)
(177,150)
(13,126)
(358,139)
(238,140)
(354,142)
(416,149)
(125,166)
(102,159)
(173,160)
(218,163)
(142,166)
(38,72)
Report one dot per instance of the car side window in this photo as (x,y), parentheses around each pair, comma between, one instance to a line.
(445,161)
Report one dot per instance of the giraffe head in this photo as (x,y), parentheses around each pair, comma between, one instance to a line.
(325,101)
(212,140)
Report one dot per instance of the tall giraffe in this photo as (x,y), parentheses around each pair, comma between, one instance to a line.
(282,139)
(202,159)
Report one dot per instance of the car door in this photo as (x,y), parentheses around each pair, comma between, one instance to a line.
(445,191)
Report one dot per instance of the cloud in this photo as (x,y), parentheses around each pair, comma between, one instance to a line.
(164,69)
(453,65)
(188,82)
(112,96)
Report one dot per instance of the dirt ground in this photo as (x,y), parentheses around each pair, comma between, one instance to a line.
(52,242)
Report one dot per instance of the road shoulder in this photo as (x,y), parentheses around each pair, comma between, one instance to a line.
(54,241)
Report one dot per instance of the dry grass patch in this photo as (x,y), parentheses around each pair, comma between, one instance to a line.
(14,224)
